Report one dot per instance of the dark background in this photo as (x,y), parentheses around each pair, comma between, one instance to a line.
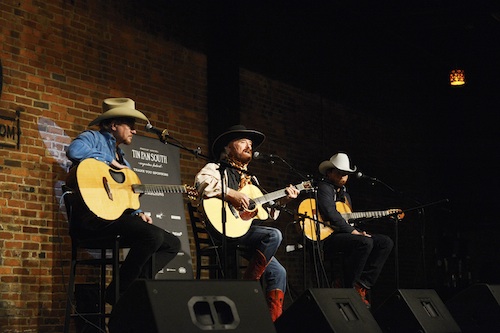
(389,61)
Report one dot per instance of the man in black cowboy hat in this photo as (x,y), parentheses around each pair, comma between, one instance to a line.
(366,254)
(117,126)
(234,148)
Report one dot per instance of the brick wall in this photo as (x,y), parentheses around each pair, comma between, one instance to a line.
(60,60)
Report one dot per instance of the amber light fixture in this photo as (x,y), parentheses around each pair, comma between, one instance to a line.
(457,77)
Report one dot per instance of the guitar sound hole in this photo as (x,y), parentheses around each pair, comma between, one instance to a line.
(117,176)
(251,205)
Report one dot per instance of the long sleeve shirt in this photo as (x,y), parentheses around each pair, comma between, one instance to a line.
(100,145)
(328,195)
(94,144)
(208,184)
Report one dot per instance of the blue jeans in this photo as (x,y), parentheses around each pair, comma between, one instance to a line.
(267,240)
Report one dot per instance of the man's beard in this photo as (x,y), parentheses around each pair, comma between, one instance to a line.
(242,158)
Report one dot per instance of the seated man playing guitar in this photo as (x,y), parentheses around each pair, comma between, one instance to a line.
(366,254)
(117,126)
(235,149)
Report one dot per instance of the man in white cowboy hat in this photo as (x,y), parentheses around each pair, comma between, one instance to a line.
(117,126)
(234,148)
(366,254)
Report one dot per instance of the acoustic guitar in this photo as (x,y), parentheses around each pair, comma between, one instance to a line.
(308,208)
(108,192)
(238,222)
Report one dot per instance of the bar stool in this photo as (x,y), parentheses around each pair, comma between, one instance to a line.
(103,246)
(209,250)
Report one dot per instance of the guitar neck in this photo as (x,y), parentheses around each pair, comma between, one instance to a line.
(360,215)
(276,195)
(158,188)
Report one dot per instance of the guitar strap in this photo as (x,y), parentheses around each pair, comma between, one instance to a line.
(233,179)
(119,156)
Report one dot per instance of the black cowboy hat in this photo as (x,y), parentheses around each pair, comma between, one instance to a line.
(236,132)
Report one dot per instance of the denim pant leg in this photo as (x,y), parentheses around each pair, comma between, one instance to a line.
(267,240)
(275,276)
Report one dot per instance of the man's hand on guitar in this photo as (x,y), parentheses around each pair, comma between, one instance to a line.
(292,192)
(238,199)
(116,165)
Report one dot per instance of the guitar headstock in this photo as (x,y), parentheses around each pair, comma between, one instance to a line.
(191,192)
(396,212)
(308,185)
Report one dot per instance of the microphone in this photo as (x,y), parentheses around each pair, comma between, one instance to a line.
(258,156)
(162,134)
(362,175)
(255,180)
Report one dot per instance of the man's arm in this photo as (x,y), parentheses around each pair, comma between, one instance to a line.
(208,184)
(328,210)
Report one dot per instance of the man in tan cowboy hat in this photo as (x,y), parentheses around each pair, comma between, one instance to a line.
(366,254)
(234,148)
(117,126)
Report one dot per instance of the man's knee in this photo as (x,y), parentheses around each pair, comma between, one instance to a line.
(276,235)
(365,243)
(175,243)
(388,243)
(385,242)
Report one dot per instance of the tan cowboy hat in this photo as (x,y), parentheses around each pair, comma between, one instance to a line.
(118,108)
(236,132)
(338,161)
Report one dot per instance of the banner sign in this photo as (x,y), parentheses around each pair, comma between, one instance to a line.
(158,163)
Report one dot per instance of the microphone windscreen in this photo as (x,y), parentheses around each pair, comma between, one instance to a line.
(257,155)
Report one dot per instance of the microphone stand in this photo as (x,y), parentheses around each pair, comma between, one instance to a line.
(421,207)
(301,218)
(317,251)
(292,168)
(222,168)
(396,227)
(396,232)
(223,165)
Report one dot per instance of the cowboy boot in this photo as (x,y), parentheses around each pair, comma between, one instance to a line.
(275,302)
(256,266)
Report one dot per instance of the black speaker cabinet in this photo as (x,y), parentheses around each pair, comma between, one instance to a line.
(190,306)
(327,310)
(415,310)
(477,308)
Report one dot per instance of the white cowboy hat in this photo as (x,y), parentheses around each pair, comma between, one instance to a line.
(236,132)
(118,108)
(338,161)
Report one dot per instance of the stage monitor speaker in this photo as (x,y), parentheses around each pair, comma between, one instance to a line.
(178,306)
(477,308)
(415,310)
(327,310)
